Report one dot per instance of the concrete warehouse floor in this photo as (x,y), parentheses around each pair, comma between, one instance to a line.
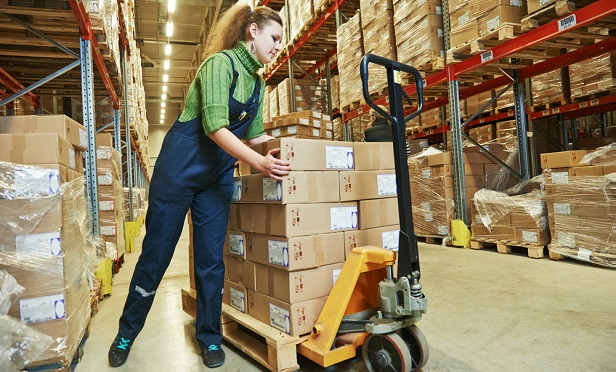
(486,312)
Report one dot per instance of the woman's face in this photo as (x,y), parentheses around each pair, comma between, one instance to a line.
(267,41)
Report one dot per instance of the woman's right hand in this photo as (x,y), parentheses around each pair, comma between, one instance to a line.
(272,167)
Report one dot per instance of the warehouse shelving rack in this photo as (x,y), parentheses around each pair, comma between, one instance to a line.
(57,21)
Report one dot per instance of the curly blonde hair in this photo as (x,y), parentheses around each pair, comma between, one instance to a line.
(233,26)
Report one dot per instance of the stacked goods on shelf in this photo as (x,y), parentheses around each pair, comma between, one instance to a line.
(266,105)
(472,20)
(110,197)
(430,119)
(304,124)
(45,242)
(419,34)
(285,26)
(140,204)
(505,130)
(350,52)
(301,13)
(104,17)
(432,193)
(562,7)
(357,126)
(505,101)
(483,134)
(474,103)
(273,103)
(595,139)
(136,105)
(300,246)
(378,38)
(592,76)
(547,88)
(519,220)
(581,195)
(338,128)
(308,96)
(335,88)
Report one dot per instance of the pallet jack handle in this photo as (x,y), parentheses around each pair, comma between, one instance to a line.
(408,258)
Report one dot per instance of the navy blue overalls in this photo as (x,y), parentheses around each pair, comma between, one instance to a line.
(190,172)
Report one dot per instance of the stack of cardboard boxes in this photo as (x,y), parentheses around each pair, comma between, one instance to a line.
(483,134)
(287,240)
(301,13)
(44,231)
(304,124)
(110,196)
(350,52)
(308,96)
(581,200)
(594,75)
(378,38)
(273,101)
(419,33)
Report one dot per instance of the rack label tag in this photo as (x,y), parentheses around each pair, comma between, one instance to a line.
(487,56)
(567,22)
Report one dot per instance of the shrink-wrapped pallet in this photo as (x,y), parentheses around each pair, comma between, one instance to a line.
(350,52)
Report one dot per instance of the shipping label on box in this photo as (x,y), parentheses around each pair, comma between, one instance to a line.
(38,245)
(234,244)
(343,218)
(339,157)
(237,190)
(35,181)
(278,252)
(238,299)
(41,309)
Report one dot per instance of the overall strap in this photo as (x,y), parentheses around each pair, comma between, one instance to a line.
(235,75)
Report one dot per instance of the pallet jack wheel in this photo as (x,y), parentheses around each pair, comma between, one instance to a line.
(386,352)
(418,346)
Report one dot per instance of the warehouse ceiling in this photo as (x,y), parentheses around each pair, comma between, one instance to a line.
(192,20)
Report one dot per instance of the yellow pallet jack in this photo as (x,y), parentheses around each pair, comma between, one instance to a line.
(354,315)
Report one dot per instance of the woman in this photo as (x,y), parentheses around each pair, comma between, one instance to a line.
(195,170)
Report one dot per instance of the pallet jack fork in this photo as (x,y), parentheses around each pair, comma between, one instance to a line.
(354,315)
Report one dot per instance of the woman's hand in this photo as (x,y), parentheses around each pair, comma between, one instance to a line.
(272,167)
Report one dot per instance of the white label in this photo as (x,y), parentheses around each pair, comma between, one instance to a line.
(544,2)
(276,132)
(390,240)
(442,230)
(304,121)
(493,23)
(429,217)
(71,158)
(386,184)
(237,191)
(584,254)
(515,2)
(425,207)
(280,319)
(464,19)
(292,129)
(556,110)
(316,132)
(566,240)
(103,153)
(338,157)
(529,236)
(236,244)
(335,276)
(41,309)
(108,230)
(83,138)
(397,77)
(105,179)
(560,178)
(567,22)
(583,104)
(487,220)
(563,209)
(316,123)
(105,206)
(594,102)
(426,173)
(40,245)
(487,56)
(237,299)
(329,125)
(278,252)
(439,10)
(272,189)
(36,181)
(343,218)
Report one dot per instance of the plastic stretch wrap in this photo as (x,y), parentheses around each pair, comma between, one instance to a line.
(547,88)
(46,245)
(582,208)
(335,87)
(593,75)
(9,290)
(19,344)
(350,52)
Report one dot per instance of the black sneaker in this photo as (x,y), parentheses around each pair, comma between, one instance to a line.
(213,356)
(118,352)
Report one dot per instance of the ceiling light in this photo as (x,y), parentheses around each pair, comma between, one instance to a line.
(164,88)
(165,78)
(166,64)
(162,121)
(168,49)
(171,6)
(162,111)
(169,29)
(163,104)
(163,96)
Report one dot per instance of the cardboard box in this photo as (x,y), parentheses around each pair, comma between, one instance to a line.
(562,159)
(473,169)
(300,219)
(532,236)
(234,218)
(295,253)
(235,295)
(36,148)
(298,286)
(235,244)
(294,319)
(373,155)
(64,126)
(240,271)
(387,237)
(523,220)
(465,33)
(23,181)
(591,170)
(378,213)
(305,155)
(296,187)
(498,16)
(104,139)
(361,185)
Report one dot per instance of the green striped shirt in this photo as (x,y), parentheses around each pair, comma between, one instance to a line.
(208,94)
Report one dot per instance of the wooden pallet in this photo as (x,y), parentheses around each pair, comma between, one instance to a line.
(435,239)
(117,264)
(96,295)
(275,350)
(505,246)
(605,259)
(547,14)
(503,32)
(62,363)
(548,105)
